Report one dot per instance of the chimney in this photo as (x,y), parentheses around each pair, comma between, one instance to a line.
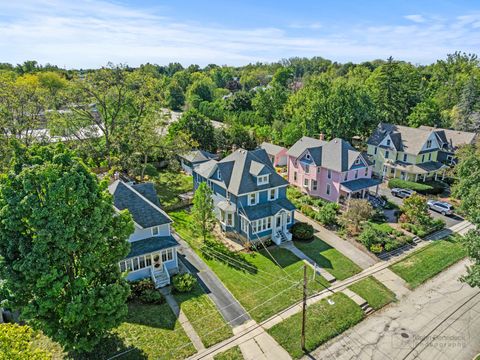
(321,136)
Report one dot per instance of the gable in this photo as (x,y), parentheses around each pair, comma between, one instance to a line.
(435,143)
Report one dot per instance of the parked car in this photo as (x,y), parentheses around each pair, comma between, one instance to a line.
(442,207)
(402,193)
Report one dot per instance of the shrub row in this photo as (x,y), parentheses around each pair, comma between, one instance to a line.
(429,187)
(422,231)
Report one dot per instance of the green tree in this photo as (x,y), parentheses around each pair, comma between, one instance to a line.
(61,241)
(415,209)
(174,96)
(203,217)
(268,103)
(16,343)
(425,113)
(200,90)
(327,215)
(358,211)
(197,127)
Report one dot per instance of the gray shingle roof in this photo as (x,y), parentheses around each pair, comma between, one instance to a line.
(148,190)
(404,138)
(268,209)
(151,244)
(337,154)
(144,212)
(453,138)
(236,169)
(364,183)
(271,149)
(198,156)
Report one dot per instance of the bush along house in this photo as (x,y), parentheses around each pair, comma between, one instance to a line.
(153,250)
(249,196)
(333,170)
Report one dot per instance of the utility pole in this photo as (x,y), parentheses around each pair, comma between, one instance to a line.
(304,312)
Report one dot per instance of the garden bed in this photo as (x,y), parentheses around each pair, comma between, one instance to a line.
(381,237)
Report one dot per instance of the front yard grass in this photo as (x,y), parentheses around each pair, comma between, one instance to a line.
(170,184)
(231,354)
(374,292)
(328,258)
(427,262)
(257,282)
(324,321)
(149,332)
(204,316)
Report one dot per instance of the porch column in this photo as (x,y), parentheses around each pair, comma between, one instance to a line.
(376,190)
(416,177)
(424,177)
(443,175)
(436,174)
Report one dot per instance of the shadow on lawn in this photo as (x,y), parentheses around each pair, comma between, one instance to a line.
(215,250)
(110,346)
(154,316)
(314,248)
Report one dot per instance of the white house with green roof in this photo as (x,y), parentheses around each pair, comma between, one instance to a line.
(153,250)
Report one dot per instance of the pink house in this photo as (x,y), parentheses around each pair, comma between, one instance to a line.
(277,154)
(332,170)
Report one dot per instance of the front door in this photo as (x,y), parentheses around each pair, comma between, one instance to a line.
(157,263)
(279,222)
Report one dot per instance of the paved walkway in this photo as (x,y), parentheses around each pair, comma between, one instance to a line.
(187,326)
(290,246)
(226,303)
(358,256)
(394,282)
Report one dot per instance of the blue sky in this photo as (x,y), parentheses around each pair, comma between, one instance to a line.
(80,34)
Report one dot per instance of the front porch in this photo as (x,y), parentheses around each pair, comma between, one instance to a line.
(358,189)
(432,170)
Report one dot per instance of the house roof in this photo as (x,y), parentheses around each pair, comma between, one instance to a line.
(359,184)
(151,244)
(423,168)
(337,154)
(454,138)
(198,156)
(144,212)
(239,170)
(272,149)
(404,138)
(148,191)
(267,209)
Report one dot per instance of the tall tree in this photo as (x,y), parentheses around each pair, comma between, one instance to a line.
(197,127)
(203,218)
(61,242)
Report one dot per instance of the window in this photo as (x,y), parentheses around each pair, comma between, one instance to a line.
(308,157)
(229,219)
(357,161)
(148,261)
(261,180)
(392,171)
(141,261)
(307,169)
(375,150)
(373,161)
(289,217)
(167,255)
(123,266)
(404,157)
(219,175)
(155,230)
(328,189)
(318,169)
(305,183)
(272,194)
(423,157)
(356,174)
(294,176)
(388,142)
(345,178)
(252,199)
(366,171)
(387,153)
(429,156)
(135,263)
(262,225)
(429,144)
(449,159)
(244,224)
(314,185)
(329,173)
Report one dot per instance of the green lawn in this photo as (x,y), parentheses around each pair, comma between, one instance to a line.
(149,332)
(231,354)
(204,316)
(254,278)
(428,261)
(324,321)
(374,292)
(171,184)
(329,258)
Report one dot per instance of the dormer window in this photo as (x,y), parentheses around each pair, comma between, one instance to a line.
(429,144)
(155,230)
(388,142)
(262,180)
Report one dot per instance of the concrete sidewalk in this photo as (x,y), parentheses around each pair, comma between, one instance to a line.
(359,257)
(226,303)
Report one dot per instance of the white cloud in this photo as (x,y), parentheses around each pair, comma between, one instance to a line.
(415,18)
(91,33)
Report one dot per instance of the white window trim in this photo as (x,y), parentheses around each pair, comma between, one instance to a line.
(262,225)
(155,228)
(329,174)
(305,182)
(262,179)
(250,203)
(328,190)
(275,196)
(314,185)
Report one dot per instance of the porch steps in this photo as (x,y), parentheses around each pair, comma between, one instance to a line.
(161,278)
(366,308)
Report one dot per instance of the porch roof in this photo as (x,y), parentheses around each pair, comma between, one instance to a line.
(359,184)
(227,206)
(151,244)
(270,208)
(424,168)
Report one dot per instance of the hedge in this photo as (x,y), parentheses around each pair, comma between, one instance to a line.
(429,187)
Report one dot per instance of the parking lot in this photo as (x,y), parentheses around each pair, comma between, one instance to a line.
(449,220)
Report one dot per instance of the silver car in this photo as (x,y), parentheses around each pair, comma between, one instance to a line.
(402,193)
(440,206)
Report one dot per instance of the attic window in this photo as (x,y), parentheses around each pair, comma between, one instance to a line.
(308,157)
(219,175)
(357,161)
(262,180)
(429,144)
(155,230)
(388,142)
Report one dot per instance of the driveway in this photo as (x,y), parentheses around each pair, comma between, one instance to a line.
(440,320)
(449,220)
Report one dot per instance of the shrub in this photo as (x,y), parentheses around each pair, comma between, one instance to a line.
(376,248)
(308,211)
(143,291)
(370,236)
(327,215)
(184,282)
(429,187)
(302,231)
